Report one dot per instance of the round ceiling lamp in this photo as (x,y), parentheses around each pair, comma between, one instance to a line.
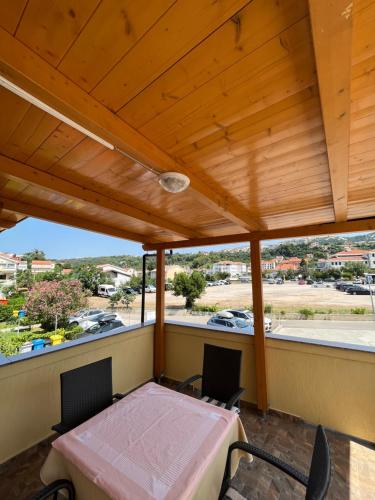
(174,182)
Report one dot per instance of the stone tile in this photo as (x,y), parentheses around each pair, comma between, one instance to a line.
(353,475)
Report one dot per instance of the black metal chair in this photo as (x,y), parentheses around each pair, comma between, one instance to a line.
(316,483)
(220,378)
(52,490)
(85,391)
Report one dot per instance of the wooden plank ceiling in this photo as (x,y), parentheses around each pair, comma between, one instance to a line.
(267,105)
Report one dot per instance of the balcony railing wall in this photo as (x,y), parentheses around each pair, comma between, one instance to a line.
(30,389)
(327,385)
(333,386)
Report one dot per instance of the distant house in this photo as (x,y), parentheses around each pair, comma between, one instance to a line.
(42,266)
(171,271)
(118,275)
(269,265)
(281,264)
(66,271)
(291,264)
(339,259)
(233,268)
(9,265)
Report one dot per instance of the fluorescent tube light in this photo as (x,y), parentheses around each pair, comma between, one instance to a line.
(41,105)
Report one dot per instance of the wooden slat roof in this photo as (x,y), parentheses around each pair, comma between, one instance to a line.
(267,105)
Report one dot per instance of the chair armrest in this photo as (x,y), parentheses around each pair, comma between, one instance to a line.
(60,428)
(236,397)
(267,457)
(118,396)
(187,382)
(55,487)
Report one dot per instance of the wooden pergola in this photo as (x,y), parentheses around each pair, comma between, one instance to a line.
(267,106)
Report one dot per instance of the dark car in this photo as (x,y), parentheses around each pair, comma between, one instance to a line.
(129,290)
(357,290)
(344,286)
(101,327)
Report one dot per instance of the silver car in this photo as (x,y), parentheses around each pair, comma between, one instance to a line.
(85,315)
(249,316)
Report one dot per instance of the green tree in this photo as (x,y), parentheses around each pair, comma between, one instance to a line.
(91,277)
(355,269)
(35,254)
(24,279)
(135,281)
(189,286)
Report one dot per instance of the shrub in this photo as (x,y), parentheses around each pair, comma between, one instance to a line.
(268,308)
(306,313)
(282,312)
(72,333)
(51,302)
(205,308)
(358,310)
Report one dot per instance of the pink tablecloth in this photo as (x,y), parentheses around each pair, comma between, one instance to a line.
(154,444)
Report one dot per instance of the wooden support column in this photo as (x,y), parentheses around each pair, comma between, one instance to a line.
(259,337)
(159,338)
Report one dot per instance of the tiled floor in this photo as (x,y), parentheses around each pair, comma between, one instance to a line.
(353,472)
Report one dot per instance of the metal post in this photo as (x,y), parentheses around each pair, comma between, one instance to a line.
(143,287)
(369,281)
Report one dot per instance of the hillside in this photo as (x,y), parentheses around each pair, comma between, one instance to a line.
(318,247)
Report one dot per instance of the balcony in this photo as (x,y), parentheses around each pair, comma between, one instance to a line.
(303,382)
(188,124)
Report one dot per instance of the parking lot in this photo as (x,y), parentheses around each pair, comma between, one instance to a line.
(289,296)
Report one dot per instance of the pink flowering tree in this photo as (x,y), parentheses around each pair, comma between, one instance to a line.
(52,302)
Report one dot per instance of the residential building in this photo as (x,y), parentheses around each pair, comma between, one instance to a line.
(233,268)
(269,265)
(42,266)
(9,265)
(171,271)
(339,259)
(291,264)
(118,275)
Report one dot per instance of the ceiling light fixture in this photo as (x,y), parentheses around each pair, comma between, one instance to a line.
(173,182)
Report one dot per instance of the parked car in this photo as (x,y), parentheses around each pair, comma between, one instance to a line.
(85,315)
(320,285)
(270,281)
(129,290)
(106,290)
(104,325)
(301,282)
(357,290)
(279,281)
(229,321)
(249,317)
(150,289)
(344,286)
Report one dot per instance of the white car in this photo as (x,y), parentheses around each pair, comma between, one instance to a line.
(249,317)
(150,289)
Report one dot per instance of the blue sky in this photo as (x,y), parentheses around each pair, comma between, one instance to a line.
(62,242)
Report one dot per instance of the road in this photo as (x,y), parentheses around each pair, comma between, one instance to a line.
(352,332)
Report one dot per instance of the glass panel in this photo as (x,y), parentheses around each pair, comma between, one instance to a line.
(321,288)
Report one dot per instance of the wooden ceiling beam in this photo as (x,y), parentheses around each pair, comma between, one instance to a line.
(27,70)
(7,224)
(18,170)
(50,215)
(273,234)
(331,23)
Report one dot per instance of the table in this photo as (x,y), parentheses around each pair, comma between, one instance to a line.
(154,444)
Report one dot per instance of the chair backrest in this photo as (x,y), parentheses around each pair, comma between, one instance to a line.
(85,391)
(320,470)
(221,372)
